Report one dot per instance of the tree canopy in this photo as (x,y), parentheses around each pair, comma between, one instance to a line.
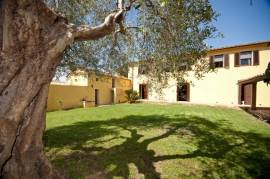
(166,34)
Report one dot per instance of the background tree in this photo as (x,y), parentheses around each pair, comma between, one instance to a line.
(267,74)
(33,38)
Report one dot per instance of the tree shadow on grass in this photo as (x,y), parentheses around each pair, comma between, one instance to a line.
(105,149)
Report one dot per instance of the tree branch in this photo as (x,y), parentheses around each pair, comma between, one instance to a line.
(123,31)
(84,32)
(107,27)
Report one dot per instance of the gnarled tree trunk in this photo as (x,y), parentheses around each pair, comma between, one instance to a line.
(32,41)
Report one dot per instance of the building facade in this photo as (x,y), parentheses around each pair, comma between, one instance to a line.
(89,89)
(237,79)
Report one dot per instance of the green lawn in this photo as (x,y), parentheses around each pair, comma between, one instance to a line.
(158,141)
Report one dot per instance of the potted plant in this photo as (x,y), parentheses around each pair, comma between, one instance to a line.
(84,102)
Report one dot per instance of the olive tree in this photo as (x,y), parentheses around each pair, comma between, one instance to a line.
(38,36)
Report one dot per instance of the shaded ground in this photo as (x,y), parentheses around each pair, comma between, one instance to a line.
(153,141)
(261,114)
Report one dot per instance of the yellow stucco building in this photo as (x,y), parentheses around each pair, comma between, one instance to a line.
(236,80)
(94,89)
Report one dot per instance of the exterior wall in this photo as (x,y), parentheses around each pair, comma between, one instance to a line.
(104,85)
(166,94)
(133,75)
(70,96)
(263,95)
(219,87)
(122,84)
(79,78)
(65,97)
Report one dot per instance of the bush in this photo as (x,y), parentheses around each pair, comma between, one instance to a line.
(132,95)
(267,75)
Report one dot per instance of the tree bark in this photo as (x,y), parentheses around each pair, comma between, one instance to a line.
(32,41)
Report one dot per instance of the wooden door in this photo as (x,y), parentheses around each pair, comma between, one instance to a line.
(143,91)
(247,94)
(113,96)
(96,97)
(183,92)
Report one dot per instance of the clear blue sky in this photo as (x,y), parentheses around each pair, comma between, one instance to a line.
(241,22)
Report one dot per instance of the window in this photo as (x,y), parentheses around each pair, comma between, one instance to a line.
(167,68)
(142,69)
(218,61)
(246,58)
(184,66)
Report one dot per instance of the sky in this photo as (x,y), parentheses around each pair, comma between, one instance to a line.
(240,22)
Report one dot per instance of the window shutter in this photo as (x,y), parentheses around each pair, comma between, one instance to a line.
(226,61)
(211,62)
(236,60)
(256,60)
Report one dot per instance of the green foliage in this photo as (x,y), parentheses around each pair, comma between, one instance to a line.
(132,95)
(158,141)
(267,75)
(169,33)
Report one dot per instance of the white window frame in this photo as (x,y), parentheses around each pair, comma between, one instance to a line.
(251,59)
(184,65)
(223,59)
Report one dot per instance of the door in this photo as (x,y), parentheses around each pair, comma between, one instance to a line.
(113,97)
(96,97)
(247,94)
(183,92)
(143,91)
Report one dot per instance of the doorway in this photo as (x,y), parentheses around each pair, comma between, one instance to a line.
(143,91)
(183,92)
(246,96)
(96,97)
(113,97)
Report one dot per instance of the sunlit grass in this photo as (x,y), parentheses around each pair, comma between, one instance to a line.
(158,141)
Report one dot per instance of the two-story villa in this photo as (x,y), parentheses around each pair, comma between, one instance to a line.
(236,81)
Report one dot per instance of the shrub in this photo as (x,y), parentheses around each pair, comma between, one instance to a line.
(132,95)
(267,75)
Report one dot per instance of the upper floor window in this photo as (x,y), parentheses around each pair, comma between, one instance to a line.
(142,69)
(218,61)
(183,66)
(245,58)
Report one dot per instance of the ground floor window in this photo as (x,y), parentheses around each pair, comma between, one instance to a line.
(183,92)
(143,91)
